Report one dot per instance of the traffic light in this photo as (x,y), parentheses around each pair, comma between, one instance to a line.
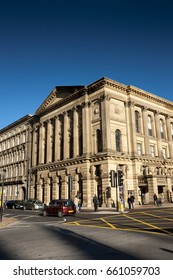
(120,177)
(112,177)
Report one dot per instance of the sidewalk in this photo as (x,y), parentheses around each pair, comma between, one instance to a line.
(106,210)
(7,221)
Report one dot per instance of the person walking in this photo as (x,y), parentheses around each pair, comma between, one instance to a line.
(76,201)
(129,202)
(96,203)
(132,199)
(155,199)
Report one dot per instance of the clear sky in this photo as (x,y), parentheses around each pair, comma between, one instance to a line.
(45,43)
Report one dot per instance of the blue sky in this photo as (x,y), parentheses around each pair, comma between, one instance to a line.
(45,43)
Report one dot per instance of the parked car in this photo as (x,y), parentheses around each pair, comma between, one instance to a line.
(14,204)
(59,207)
(32,204)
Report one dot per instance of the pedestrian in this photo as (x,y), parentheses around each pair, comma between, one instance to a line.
(129,202)
(79,204)
(96,203)
(132,198)
(155,199)
(76,201)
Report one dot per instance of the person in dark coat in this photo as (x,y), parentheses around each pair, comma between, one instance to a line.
(155,199)
(96,203)
(132,198)
(129,202)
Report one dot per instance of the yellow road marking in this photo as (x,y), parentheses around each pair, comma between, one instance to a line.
(112,226)
(117,229)
(156,216)
(150,225)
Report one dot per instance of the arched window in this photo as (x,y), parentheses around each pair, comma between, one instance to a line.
(161,128)
(149,123)
(118,140)
(137,124)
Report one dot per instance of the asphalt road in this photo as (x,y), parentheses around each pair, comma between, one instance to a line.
(138,234)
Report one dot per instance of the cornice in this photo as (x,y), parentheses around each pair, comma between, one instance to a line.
(105,82)
(131,90)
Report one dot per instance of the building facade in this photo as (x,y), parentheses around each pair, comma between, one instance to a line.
(14,159)
(80,133)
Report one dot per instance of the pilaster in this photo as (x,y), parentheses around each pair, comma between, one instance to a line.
(145,127)
(75,133)
(105,121)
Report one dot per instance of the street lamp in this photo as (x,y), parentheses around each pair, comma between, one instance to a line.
(2,193)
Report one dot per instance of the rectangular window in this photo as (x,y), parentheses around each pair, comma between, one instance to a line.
(139,149)
(164,153)
(152,150)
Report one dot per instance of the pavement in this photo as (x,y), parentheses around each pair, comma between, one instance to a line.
(101,210)
(7,222)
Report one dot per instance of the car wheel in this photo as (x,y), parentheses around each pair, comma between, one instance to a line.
(60,214)
(44,213)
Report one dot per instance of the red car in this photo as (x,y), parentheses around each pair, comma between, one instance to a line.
(59,207)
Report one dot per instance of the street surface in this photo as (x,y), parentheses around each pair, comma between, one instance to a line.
(138,234)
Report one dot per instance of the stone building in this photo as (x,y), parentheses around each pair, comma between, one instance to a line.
(80,133)
(14,160)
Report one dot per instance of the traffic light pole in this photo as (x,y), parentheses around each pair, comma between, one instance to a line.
(116,186)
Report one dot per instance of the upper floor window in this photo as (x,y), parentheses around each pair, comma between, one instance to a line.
(161,128)
(137,124)
(152,150)
(149,123)
(164,152)
(118,140)
(99,140)
(139,149)
(172,129)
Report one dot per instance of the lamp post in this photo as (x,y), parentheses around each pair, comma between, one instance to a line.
(2,193)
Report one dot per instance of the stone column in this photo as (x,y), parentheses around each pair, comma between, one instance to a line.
(41,144)
(66,136)
(49,141)
(157,123)
(75,133)
(64,186)
(132,129)
(86,126)
(170,143)
(145,128)
(87,200)
(47,191)
(75,185)
(105,121)
(57,138)
(55,190)
(39,189)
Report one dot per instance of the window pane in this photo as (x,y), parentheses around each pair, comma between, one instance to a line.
(118,140)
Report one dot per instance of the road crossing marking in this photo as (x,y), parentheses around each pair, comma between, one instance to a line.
(148,224)
(156,216)
(109,224)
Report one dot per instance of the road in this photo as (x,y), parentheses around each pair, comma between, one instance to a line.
(139,234)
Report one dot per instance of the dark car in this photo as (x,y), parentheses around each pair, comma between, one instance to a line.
(32,204)
(14,204)
(59,207)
